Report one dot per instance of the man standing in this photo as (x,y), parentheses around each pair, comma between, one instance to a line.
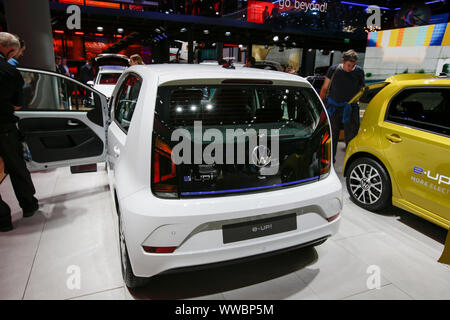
(64,69)
(11,150)
(58,64)
(342,82)
(14,61)
(86,72)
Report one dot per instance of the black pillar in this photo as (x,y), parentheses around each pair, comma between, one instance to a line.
(308,62)
(164,48)
(30,20)
(190,47)
(219,51)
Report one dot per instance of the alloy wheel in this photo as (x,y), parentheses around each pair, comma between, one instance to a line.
(366,184)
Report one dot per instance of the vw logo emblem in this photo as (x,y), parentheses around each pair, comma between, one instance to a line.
(261,156)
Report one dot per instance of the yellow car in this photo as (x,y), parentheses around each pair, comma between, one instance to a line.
(401,155)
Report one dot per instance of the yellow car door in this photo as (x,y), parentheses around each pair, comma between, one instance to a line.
(416,143)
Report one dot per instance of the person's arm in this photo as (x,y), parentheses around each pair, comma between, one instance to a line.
(363,79)
(325,86)
(18,97)
(327,83)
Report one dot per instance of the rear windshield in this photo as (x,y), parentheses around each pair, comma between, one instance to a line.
(276,140)
(109,78)
(292,110)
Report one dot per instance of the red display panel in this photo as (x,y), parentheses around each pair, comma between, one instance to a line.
(257,12)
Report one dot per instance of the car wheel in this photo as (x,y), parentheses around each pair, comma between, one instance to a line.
(369,185)
(127,272)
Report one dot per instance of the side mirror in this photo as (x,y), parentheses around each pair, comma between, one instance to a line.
(90,83)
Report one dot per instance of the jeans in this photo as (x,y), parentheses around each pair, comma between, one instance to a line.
(350,128)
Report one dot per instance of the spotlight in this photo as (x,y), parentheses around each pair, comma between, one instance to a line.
(228,33)
(100,29)
(120,30)
(206,31)
(286,38)
(276,38)
(183,30)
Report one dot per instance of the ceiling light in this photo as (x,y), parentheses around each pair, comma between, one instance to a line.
(228,33)
(183,30)
(100,29)
(276,38)
(206,31)
(120,30)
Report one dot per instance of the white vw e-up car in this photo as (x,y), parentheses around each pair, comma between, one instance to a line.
(207,164)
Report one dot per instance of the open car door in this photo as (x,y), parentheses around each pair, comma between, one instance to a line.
(63,121)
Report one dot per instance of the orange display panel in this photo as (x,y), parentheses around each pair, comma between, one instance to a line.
(93,3)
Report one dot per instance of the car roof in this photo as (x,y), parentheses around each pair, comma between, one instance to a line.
(410,76)
(174,72)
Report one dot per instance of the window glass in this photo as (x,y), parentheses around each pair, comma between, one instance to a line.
(126,101)
(109,78)
(368,93)
(294,111)
(53,93)
(294,114)
(427,109)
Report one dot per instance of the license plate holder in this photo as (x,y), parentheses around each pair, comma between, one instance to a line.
(259,228)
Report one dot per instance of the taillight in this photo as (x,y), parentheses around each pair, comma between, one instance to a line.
(331,219)
(164,171)
(325,158)
(159,249)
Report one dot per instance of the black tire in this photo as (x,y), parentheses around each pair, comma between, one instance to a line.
(369,184)
(129,278)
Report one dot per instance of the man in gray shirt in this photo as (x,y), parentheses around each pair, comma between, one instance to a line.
(341,84)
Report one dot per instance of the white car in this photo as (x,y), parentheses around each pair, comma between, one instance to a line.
(106,79)
(198,212)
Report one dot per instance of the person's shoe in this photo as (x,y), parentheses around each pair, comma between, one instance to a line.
(6,228)
(30,211)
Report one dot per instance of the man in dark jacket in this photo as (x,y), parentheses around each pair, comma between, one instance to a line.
(11,84)
(342,82)
(86,72)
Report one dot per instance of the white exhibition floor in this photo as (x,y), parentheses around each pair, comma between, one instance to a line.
(76,227)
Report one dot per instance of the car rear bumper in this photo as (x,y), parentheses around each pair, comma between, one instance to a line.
(194,226)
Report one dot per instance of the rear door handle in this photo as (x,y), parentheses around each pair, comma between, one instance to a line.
(395,138)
